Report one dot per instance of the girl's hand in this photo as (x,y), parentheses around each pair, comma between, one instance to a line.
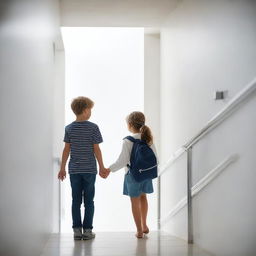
(104,173)
(62,175)
(107,172)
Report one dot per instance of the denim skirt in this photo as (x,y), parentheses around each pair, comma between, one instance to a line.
(133,188)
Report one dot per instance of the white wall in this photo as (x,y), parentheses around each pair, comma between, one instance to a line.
(208,46)
(152,83)
(58,124)
(114,13)
(27,32)
(152,104)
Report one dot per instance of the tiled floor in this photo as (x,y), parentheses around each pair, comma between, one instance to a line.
(121,244)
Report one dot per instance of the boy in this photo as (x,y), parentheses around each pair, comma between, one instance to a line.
(82,140)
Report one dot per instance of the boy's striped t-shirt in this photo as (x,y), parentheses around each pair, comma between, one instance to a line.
(82,136)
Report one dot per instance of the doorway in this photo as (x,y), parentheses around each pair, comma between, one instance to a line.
(106,65)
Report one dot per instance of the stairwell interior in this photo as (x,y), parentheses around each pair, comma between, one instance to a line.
(192,49)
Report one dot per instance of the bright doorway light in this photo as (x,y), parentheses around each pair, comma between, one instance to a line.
(106,65)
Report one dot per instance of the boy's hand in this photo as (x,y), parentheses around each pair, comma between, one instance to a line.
(104,173)
(62,175)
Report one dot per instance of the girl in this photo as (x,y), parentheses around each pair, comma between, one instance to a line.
(137,191)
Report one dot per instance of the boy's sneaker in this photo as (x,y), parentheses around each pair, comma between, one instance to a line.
(78,233)
(88,234)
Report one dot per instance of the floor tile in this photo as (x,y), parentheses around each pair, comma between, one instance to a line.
(121,243)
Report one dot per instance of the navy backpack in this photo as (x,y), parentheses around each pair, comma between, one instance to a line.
(143,162)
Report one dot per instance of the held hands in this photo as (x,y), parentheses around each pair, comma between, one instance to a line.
(62,175)
(104,172)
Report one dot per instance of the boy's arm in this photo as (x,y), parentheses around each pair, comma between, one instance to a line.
(103,172)
(98,155)
(65,155)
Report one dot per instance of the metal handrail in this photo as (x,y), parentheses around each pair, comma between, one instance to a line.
(216,120)
(172,159)
(201,184)
(224,113)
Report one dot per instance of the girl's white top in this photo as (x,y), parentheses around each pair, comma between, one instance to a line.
(124,157)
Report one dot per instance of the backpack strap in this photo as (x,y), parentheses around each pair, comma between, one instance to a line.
(130,138)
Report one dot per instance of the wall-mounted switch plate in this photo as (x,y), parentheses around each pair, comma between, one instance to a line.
(220,95)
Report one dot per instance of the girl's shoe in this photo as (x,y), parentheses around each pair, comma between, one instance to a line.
(77,233)
(88,234)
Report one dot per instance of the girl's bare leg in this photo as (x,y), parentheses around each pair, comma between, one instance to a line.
(136,211)
(144,212)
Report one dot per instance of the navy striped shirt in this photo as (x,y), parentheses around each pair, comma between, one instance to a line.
(81,136)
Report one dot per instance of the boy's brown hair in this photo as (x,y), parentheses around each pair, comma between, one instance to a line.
(79,104)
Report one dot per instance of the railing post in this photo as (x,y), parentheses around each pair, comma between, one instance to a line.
(189,195)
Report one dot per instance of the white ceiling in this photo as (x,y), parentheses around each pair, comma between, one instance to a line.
(117,13)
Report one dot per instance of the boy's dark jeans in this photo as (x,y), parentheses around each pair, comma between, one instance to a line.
(82,184)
